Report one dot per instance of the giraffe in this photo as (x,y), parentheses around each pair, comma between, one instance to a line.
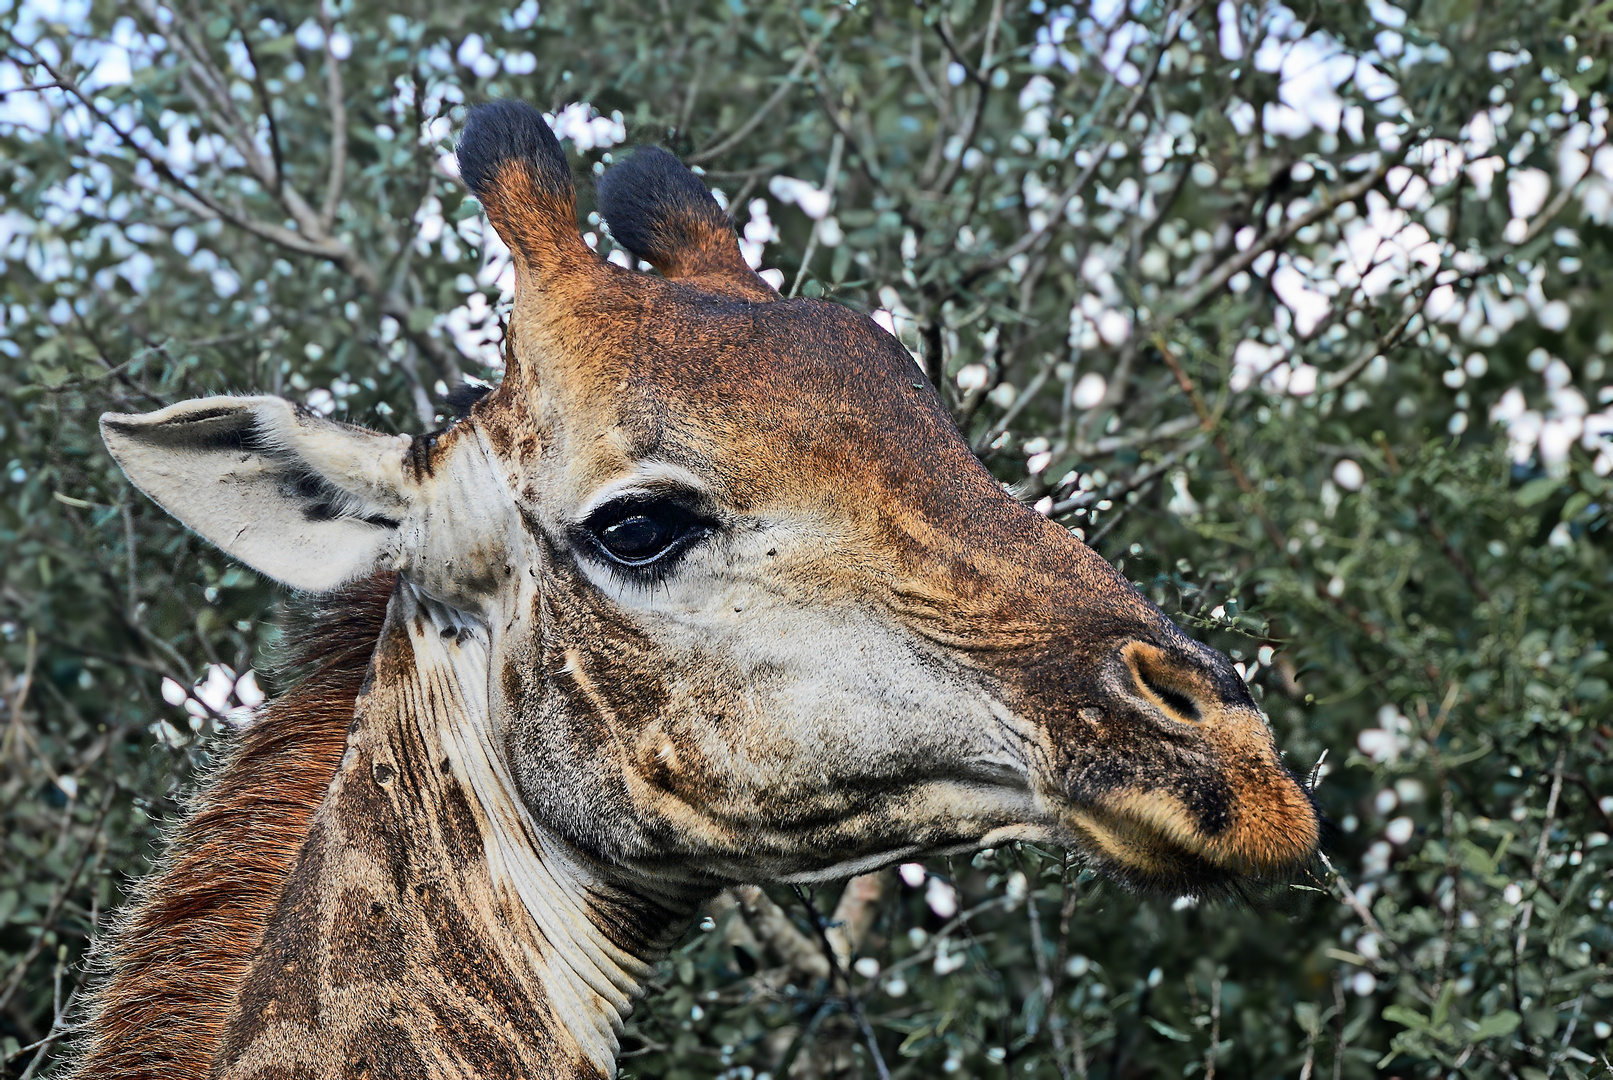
(709,590)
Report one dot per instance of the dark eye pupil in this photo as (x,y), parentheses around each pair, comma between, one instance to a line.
(635,537)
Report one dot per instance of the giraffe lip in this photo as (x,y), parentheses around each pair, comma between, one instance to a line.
(1141,856)
(1149,842)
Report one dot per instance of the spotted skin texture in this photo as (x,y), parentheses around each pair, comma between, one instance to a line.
(851,648)
(395,953)
(174,963)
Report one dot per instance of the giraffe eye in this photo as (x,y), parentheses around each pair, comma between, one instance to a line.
(637,537)
(640,534)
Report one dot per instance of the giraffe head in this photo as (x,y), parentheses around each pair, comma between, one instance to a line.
(754,609)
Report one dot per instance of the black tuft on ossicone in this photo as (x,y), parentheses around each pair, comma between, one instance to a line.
(659,210)
(506,132)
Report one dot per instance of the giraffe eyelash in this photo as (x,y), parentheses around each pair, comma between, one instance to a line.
(664,527)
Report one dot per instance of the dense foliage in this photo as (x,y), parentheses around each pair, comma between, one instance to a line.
(1295,314)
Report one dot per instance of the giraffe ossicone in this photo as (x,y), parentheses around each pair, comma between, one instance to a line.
(708,591)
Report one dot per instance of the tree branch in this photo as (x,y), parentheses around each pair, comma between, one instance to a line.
(738,135)
(854,914)
(1217,279)
(971,126)
(192,199)
(276,152)
(1173,27)
(830,179)
(338,126)
(1273,533)
(775,929)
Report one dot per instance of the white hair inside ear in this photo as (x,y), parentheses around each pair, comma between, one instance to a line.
(309,502)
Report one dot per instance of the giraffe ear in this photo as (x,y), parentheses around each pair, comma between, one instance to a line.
(310,502)
(663,214)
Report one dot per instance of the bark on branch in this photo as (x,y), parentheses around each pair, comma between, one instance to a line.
(313,233)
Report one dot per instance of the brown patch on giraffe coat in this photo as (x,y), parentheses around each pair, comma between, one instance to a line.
(284,1072)
(381,1050)
(173,966)
(285,980)
(460,829)
(367,941)
(426,966)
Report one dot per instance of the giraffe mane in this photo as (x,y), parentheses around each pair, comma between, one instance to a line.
(174,964)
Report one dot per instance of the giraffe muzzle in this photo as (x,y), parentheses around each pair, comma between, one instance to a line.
(1189,793)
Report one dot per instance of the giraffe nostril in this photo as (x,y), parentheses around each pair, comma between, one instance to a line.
(1173,700)
(1163,685)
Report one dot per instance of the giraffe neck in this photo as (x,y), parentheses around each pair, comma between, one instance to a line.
(431,927)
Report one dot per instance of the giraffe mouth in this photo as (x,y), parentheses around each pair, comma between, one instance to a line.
(1150,843)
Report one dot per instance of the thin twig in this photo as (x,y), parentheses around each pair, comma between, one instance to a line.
(276,152)
(1387,340)
(1125,508)
(854,913)
(1338,1038)
(1553,208)
(59,1027)
(1273,533)
(971,127)
(1362,912)
(853,1002)
(831,177)
(1568,1036)
(130,555)
(1538,867)
(309,238)
(20,971)
(1045,980)
(1137,481)
(943,30)
(1447,808)
(1217,279)
(15,732)
(1215,1029)
(773,926)
(1025,397)
(338,126)
(1174,23)
(739,134)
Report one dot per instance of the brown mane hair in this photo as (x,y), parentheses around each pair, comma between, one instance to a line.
(174,964)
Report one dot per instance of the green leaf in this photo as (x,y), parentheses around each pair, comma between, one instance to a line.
(1411,1018)
(1542,1023)
(1442,1007)
(1591,689)
(1474,858)
(1168,1031)
(1407,1042)
(279,46)
(1497,1025)
(1537,491)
